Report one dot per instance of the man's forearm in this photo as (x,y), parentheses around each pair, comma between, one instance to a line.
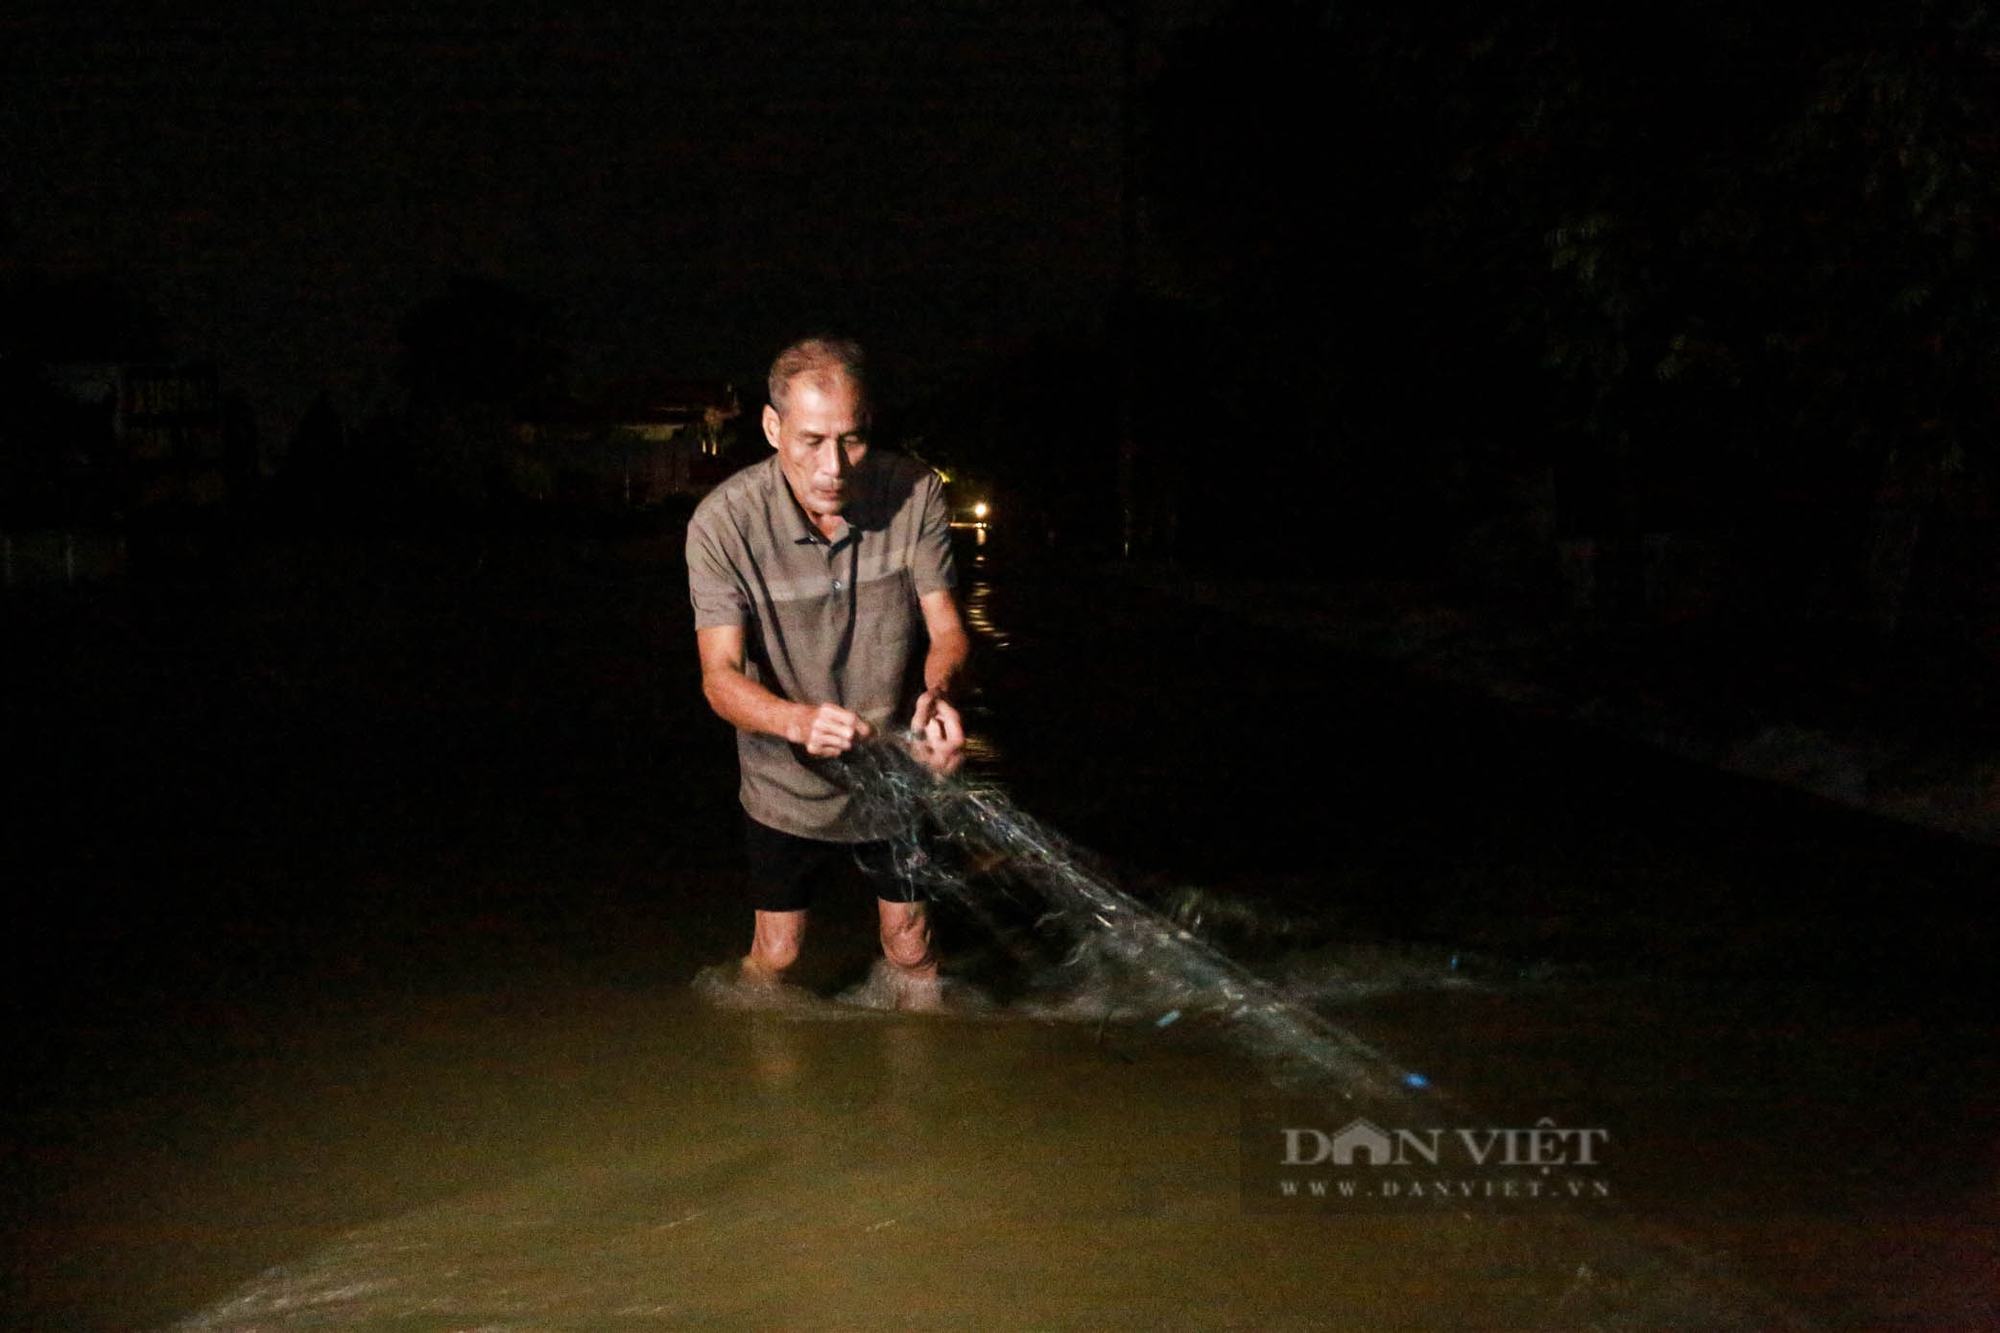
(748,706)
(945,662)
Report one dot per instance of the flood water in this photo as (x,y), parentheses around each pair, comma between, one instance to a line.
(359,904)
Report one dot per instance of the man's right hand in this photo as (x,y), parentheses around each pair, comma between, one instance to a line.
(829,729)
(825,730)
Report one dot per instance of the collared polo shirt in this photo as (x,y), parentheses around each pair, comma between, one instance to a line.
(825,620)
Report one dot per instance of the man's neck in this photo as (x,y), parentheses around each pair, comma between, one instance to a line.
(830,526)
(826,525)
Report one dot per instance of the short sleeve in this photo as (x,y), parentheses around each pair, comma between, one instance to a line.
(931,563)
(714,586)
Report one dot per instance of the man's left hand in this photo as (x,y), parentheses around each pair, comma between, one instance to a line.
(940,743)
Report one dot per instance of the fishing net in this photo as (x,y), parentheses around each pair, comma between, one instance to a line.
(966,842)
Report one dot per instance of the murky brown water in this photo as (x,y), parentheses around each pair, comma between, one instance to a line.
(641,1162)
(760,1171)
(416,1049)
(591,1158)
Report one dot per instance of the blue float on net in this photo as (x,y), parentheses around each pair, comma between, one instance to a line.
(1416,1080)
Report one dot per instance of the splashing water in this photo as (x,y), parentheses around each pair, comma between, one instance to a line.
(965,840)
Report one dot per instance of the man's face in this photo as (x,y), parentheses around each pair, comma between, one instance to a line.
(821,440)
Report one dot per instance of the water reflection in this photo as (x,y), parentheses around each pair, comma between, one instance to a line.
(981,751)
(978,608)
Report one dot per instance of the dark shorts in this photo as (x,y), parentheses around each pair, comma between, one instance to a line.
(787,871)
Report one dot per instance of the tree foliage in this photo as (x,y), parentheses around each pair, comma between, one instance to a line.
(1692,257)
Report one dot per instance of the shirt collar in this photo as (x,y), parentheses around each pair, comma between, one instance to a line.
(804,531)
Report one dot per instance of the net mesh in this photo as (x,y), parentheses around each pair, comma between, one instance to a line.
(966,841)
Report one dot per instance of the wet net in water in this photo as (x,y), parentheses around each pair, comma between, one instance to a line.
(968,842)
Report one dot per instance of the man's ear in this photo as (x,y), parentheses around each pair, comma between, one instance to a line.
(771,425)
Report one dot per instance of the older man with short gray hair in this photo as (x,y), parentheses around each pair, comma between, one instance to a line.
(822,582)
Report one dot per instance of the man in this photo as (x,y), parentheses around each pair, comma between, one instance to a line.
(812,574)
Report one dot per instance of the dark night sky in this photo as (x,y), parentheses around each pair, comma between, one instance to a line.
(691,185)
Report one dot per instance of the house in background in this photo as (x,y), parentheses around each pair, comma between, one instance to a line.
(169,428)
(96,451)
(641,443)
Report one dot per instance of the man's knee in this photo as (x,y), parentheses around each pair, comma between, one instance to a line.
(774,956)
(906,938)
(775,946)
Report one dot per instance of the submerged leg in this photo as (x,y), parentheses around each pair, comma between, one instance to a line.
(906,947)
(774,946)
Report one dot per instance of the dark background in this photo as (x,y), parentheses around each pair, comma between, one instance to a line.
(1670,328)
(1432,289)
(688,185)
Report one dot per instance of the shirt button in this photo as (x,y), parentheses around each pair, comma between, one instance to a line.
(836,585)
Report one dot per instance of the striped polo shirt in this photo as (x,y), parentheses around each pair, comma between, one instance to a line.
(824,620)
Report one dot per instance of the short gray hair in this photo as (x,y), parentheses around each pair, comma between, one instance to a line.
(819,359)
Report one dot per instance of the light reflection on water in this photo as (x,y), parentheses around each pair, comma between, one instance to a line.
(978,609)
(980,749)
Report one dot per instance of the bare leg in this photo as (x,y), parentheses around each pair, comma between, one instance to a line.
(906,946)
(774,946)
